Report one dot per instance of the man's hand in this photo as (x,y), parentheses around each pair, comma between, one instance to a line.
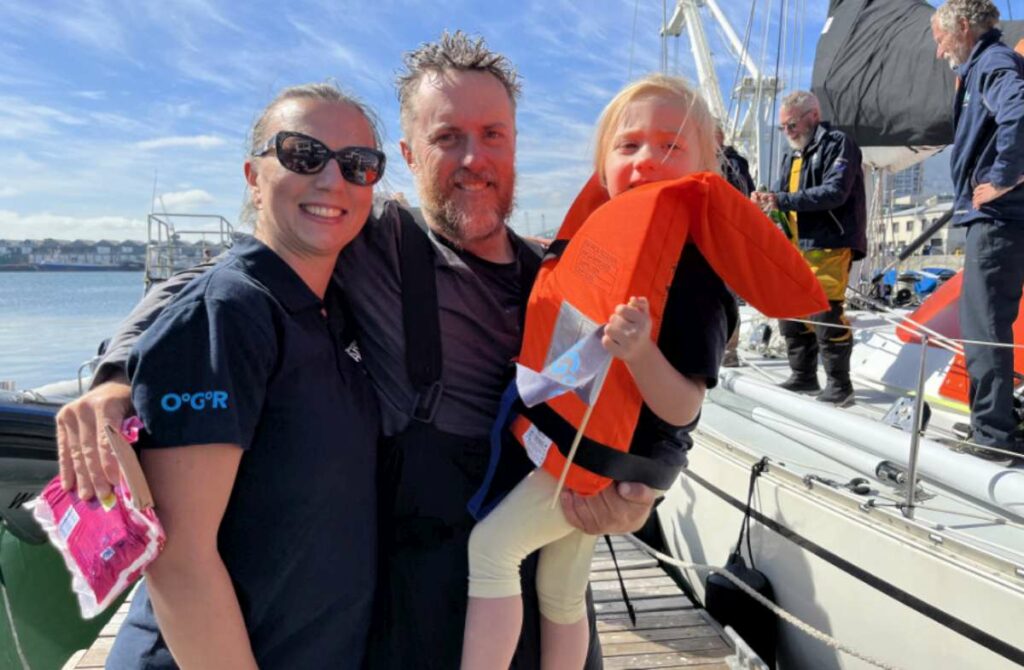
(988,192)
(765,200)
(620,508)
(86,457)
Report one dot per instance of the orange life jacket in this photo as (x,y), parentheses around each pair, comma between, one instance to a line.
(630,246)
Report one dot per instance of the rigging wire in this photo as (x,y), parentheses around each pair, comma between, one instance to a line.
(778,58)
(632,42)
(676,70)
(797,32)
(734,97)
(759,94)
(783,43)
(664,36)
(800,42)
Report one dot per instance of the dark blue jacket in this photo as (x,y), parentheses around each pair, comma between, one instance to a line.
(988,143)
(830,205)
(736,170)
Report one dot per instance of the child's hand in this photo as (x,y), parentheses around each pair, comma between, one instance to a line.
(628,333)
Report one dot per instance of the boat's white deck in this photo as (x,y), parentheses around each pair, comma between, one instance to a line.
(985,526)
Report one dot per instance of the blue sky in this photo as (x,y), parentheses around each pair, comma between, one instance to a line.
(98,97)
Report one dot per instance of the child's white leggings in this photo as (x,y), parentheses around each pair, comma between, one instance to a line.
(521,524)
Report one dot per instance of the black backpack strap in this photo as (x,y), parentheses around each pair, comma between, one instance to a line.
(420,319)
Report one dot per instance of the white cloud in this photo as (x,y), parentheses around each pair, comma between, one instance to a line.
(197,141)
(182,201)
(8,191)
(42,225)
(20,118)
(91,95)
(91,24)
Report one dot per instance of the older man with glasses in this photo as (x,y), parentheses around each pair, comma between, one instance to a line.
(987,164)
(821,189)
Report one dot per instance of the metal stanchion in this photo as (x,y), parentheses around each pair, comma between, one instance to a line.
(915,437)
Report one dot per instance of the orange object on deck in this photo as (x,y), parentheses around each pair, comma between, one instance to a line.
(941,313)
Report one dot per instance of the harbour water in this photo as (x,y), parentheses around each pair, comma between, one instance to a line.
(52,322)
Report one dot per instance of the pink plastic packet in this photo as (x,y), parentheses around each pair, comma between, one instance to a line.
(106,544)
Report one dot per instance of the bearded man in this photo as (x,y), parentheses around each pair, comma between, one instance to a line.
(821,188)
(987,165)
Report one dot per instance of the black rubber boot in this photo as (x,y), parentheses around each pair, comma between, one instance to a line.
(840,395)
(802,352)
(801,383)
(836,359)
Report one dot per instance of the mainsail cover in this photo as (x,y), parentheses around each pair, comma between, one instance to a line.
(877,77)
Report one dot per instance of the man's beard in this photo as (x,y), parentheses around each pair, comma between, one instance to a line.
(459,224)
(800,142)
(957,59)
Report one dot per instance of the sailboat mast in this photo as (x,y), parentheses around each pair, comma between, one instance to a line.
(687,13)
(750,131)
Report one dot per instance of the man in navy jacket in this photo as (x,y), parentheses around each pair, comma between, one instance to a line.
(988,169)
(821,187)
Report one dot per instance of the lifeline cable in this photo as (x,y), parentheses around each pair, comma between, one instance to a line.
(791,619)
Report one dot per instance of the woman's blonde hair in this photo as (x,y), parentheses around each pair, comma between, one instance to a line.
(665,86)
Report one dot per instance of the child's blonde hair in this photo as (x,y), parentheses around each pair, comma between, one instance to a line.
(669,87)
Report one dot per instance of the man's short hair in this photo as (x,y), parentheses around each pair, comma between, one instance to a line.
(981,15)
(802,101)
(453,51)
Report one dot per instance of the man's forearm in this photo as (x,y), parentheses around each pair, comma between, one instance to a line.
(114,362)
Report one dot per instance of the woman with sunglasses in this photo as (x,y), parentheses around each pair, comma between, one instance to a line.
(260,427)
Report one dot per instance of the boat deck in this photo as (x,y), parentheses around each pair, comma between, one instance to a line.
(671,631)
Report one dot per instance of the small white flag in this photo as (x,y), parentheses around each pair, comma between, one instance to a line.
(580,369)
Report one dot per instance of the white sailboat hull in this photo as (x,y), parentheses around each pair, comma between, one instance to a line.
(871,579)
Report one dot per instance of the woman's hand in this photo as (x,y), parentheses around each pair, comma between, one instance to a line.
(86,458)
(628,333)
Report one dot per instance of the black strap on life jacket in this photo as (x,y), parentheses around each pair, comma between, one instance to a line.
(420,319)
(598,458)
(555,249)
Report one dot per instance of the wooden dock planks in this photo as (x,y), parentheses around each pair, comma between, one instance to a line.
(670,631)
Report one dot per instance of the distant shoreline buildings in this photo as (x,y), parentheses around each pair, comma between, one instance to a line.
(51,255)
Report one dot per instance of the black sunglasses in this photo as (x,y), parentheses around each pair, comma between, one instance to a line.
(303,154)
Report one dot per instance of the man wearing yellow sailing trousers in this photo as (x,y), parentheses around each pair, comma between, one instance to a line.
(821,189)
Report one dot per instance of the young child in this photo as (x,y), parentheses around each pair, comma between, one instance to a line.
(654,129)
(665,346)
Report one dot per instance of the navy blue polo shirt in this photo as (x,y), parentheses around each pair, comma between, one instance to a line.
(245,355)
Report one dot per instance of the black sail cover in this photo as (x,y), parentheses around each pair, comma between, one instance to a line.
(877,77)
